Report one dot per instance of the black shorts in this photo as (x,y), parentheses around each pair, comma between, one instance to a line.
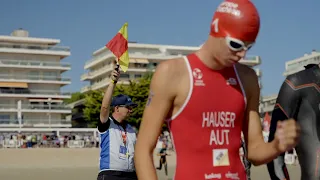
(117,175)
(163,159)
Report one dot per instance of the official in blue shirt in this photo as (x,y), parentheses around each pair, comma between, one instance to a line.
(117,137)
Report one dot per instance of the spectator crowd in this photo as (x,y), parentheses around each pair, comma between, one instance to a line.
(48,140)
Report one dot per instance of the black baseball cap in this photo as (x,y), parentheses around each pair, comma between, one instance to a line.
(123,100)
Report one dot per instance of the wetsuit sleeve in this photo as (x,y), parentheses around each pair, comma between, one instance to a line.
(286,106)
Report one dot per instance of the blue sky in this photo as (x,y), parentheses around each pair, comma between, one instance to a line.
(288,28)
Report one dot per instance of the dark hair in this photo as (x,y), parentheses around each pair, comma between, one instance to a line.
(310,66)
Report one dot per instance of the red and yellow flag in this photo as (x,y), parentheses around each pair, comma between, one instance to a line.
(119,47)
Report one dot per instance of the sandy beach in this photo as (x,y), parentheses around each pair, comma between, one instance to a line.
(77,164)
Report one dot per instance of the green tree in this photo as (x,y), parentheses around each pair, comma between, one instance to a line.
(74,97)
(137,89)
(92,108)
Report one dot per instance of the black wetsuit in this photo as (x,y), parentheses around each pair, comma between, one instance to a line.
(163,160)
(246,162)
(299,98)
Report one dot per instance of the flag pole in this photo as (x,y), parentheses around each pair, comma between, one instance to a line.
(118,65)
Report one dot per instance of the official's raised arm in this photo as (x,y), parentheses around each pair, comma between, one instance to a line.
(105,106)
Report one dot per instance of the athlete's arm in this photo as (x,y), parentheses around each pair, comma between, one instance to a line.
(160,101)
(285,107)
(258,151)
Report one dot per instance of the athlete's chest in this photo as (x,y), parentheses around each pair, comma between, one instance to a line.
(216,105)
(217,91)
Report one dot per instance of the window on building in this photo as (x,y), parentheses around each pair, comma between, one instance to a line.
(140,65)
(124,75)
(4,118)
(50,73)
(33,75)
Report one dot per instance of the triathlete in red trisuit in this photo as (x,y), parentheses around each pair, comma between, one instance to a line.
(208,98)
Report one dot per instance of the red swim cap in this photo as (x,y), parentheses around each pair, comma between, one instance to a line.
(236,18)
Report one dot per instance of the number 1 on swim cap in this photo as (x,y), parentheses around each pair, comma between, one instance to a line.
(215,25)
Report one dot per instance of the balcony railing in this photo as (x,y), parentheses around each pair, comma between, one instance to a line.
(33,63)
(108,68)
(107,53)
(86,88)
(34,92)
(252,58)
(96,72)
(98,56)
(269,97)
(33,77)
(35,106)
(296,65)
(103,83)
(258,72)
(33,121)
(96,85)
(34,47)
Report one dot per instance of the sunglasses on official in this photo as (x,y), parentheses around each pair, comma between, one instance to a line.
(237,45)
(128,107)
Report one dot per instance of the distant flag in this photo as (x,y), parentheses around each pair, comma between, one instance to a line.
(119,47)
(266,122)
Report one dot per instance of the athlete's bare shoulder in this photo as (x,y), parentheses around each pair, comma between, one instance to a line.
(248,77)
(168,74)
(172,68)
(246,70)
(173,65)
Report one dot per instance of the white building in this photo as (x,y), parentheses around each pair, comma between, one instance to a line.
(292,66)
(143,58)
(298,64)
(31,73)
(267,103)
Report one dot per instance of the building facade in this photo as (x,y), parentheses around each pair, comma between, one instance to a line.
(143,58)
(298,64)
(31,81)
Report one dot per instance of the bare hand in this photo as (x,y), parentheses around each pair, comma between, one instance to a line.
(287,134)
(115,73)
